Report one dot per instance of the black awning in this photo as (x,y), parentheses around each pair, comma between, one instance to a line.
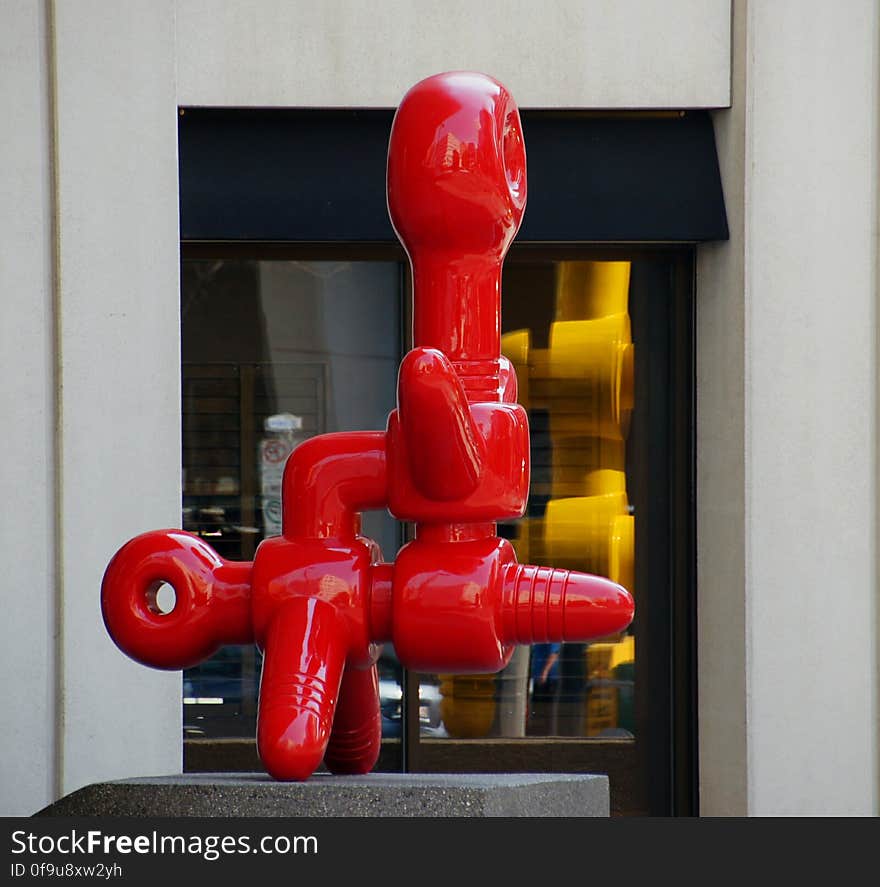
(319,176)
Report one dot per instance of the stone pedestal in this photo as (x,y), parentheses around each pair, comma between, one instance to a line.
(375,794)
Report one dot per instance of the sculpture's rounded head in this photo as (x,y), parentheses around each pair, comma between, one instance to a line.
(457,167)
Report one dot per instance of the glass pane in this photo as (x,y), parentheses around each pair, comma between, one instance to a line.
(273,352)
(566,327)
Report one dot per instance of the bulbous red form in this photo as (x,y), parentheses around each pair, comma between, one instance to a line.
(211,606)
(454,458)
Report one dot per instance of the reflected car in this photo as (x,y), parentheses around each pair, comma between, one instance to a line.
(391,699)
(391,704)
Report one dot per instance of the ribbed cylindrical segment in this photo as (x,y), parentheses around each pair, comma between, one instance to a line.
(357,728)
(299,689)
(355,750)
(295,719)
(296,694)
(533,604)
(481,379)
(540,604)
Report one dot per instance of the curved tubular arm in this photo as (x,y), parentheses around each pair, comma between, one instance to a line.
(302,671)
(211,608)
(328,480)
(446,450)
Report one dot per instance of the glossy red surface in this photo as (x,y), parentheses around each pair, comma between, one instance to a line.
(304,654)
(454,458)
(456,196)
(212,605)
(357,729)
(332,478)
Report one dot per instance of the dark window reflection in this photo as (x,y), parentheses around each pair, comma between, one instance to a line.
(273,352)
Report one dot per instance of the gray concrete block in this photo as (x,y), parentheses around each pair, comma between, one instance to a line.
(375,794)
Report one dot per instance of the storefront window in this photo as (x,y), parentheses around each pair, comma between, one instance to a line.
(273,352)
(281,348)
(602,343)
(295,304)
(567,329)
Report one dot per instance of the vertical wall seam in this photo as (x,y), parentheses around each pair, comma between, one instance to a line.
(176,60)
(748,449)
(731,36)
(58,386)
(176,41)
(875,424)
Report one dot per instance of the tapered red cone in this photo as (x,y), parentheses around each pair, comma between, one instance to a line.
(541,604)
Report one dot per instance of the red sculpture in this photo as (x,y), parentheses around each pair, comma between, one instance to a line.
(318,600)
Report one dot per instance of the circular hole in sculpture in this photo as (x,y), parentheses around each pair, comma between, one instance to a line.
(162,598)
